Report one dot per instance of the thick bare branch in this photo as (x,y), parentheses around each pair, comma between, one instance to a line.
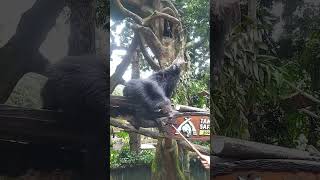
(309,96)
(309,113)
(183,108)
(116,78)
(151,62)
(115,47)
(172,6)
(169,11)
(157,14)
(151,40)
(128,13)
(236,148)
(203,149)
(127,127)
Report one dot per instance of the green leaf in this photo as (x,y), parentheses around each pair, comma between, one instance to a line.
(256,70)
(217,110)
(261,76)
(227,53)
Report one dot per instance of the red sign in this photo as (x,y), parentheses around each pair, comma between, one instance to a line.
(193,125)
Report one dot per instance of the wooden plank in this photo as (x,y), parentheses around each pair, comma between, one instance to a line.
(39,126)
(241,149)
(275,165)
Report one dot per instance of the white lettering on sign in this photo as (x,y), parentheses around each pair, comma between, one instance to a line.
(204,127)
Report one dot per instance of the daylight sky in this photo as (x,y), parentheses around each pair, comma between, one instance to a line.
(117,55)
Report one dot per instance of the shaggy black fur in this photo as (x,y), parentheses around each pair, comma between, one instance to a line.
(77,85)
(167,79)
(153,94)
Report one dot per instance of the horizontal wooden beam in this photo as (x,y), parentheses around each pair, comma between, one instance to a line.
(263,165)
(37,126)
(242,149)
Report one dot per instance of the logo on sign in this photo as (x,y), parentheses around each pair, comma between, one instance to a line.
(187,128)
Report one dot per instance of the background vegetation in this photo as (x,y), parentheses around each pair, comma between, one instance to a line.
(269,93)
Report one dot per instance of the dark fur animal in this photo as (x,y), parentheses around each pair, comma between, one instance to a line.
(153,94)
(77,85)
(167,79)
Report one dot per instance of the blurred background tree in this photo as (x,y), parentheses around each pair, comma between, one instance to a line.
(270,93)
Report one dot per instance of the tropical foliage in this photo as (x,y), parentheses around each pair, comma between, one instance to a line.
(260,74)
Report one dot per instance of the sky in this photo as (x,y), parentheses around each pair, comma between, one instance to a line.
(117,55)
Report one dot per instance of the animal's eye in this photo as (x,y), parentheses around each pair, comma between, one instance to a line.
(158,110)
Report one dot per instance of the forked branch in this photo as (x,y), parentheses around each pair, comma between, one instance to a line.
(151,40)
(154,66)
(128,13)
(157,14)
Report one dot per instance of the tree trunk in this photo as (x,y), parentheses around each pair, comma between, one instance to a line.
(82,27)
(166,165)
(135,139)
(20,55)
(185,161)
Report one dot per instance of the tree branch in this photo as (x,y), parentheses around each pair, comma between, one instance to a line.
(115,47)
(130,128)
(183,108)
(151,39)
(156,135)
(128,13)
(157,14)
(309,96)
(151,62)
(172,6)
(168,10)
(309,113)
(122,67)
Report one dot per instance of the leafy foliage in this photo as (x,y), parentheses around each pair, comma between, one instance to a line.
(195,17)
(127,158)
(259,73)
